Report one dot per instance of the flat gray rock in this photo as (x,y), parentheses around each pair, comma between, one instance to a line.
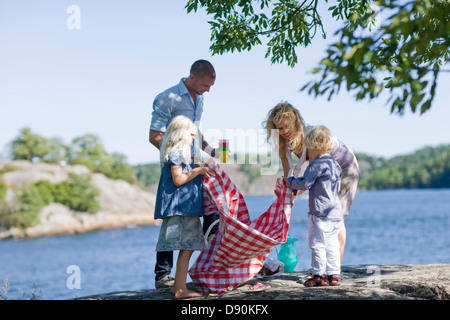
(362,282)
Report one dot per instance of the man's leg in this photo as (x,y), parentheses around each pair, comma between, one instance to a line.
(163,267)
(208,220)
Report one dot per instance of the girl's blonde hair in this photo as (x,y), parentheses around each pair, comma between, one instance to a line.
(321,138)
(178,136)
(296,124)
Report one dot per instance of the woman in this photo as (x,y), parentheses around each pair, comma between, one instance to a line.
(291,134)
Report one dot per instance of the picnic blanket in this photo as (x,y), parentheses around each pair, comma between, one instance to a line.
(237,251)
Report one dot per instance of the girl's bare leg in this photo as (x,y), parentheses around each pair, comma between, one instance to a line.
(180,290)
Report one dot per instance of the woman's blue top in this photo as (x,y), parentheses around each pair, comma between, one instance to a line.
(185,200)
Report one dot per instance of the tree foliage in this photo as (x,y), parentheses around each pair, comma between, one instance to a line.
(148,174)
(403,55)
(28,146)
(426,168)
(86,150)
(242,24)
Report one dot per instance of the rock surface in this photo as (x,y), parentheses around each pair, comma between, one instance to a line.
(362,282)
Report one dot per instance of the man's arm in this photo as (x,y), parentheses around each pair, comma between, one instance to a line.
(155,138)
(162,112)
(205,145)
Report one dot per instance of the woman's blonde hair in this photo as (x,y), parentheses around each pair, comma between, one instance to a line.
(295,123)
(178,136)
(320,138)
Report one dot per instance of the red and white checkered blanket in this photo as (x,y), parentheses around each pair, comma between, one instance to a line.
(239,248)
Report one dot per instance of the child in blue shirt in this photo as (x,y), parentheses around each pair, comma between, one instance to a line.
(179,200)
(322,178)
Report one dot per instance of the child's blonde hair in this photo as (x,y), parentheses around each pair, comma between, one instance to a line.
(321,138)
(295,123)
(178,136)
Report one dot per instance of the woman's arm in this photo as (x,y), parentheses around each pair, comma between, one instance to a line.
(286,168)
(285,164)
(179,178)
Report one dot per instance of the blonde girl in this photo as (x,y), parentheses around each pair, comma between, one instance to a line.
(179,200)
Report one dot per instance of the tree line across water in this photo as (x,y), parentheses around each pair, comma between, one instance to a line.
(428,167)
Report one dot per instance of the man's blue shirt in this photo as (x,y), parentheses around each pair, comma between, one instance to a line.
(173,102)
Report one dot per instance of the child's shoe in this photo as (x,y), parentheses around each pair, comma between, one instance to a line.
(317,281)
(334,279)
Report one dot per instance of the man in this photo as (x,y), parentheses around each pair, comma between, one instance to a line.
(185,98)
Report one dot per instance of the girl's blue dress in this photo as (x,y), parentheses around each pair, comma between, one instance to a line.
(185,200)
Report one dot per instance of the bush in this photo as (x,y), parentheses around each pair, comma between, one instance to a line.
(3,189)
(45,189)
(24,212)
(77,193)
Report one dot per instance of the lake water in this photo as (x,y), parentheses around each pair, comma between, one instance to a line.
(384,227)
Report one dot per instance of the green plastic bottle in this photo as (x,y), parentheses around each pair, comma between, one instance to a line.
(287,254)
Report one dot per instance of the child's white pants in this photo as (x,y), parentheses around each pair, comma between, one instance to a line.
(324,243)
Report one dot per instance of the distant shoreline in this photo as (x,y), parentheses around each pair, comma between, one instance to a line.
(109,222)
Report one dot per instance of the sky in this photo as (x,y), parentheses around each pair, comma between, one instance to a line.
(65,77)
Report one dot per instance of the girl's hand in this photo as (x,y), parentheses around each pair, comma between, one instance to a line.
(207,171)
(179,178)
